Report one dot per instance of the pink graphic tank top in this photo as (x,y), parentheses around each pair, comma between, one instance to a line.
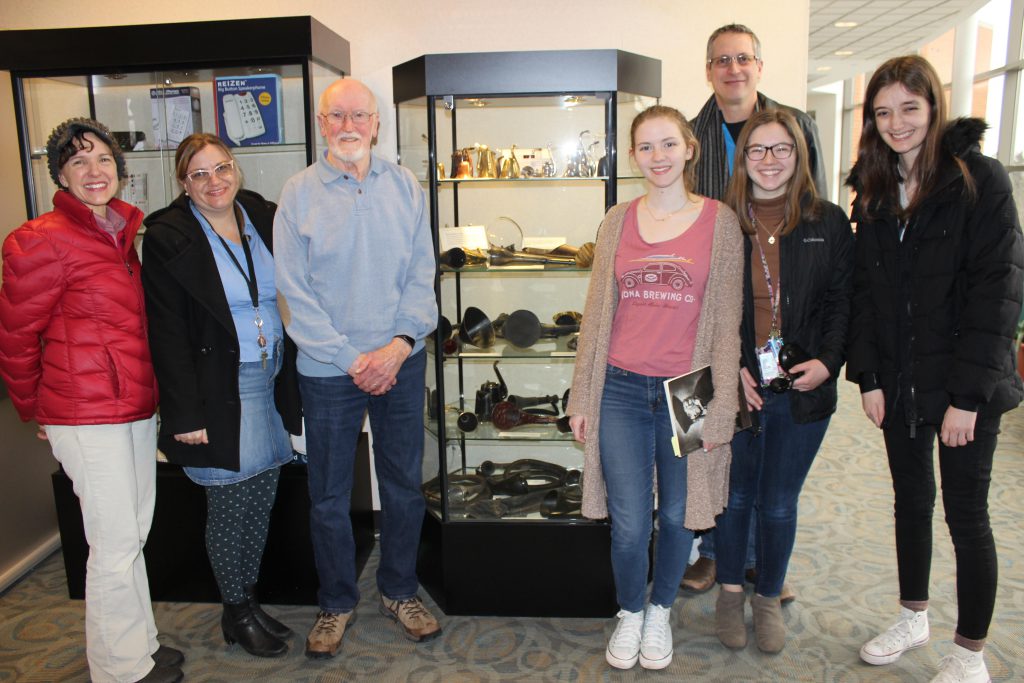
(661,289)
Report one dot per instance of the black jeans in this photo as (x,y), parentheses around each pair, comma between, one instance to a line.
(966,474)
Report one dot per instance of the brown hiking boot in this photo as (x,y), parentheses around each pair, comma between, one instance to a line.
(419,624)
(699,576)
(324,639)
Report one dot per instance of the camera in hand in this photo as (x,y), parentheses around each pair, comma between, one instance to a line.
(790,355)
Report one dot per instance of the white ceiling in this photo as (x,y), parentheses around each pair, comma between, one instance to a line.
(885,28)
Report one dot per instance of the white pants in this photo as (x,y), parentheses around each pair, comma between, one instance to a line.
(113,469)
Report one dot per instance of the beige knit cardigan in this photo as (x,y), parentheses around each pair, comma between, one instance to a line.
(718,345)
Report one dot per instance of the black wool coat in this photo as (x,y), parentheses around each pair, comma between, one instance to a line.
(934,315)
(193,339)
(816,269)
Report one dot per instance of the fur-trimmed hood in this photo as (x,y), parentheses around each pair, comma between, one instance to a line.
(961,137)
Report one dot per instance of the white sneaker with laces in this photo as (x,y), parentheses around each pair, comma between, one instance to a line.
(909,632)
(962,666)
(656,642)
(624,645)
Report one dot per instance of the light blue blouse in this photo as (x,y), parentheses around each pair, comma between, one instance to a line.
(237,291)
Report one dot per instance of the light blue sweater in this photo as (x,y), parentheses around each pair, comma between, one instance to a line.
(354,263)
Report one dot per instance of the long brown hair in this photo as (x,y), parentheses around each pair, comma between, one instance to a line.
(689,139)
(739,193)
(878,176)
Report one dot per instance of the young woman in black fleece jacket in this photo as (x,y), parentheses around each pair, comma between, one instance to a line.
(937,294)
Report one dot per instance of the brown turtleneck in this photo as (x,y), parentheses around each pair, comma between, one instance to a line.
(768,213)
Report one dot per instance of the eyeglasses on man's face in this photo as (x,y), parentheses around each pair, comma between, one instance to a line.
(725,61)
(359,118)
(224,171)
(780,150)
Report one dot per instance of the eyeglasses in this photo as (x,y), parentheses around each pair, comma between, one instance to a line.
(359,118)
(224,170)
(725,61)
(780,150)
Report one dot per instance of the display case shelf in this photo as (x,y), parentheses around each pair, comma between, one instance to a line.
(543,349)
(485,431)
(535,179)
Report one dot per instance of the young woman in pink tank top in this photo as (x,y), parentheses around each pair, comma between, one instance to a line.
(664,299)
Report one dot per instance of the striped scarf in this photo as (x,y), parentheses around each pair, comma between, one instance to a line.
(713,167)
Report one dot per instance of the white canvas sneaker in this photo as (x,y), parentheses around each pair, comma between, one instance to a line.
(656,642)
(909,632)
(624,645)
(962,666)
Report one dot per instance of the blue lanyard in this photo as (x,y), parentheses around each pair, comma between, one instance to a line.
(730,146)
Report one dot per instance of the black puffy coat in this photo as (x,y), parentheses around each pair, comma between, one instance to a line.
(934,315)
(816,268)
(193,337)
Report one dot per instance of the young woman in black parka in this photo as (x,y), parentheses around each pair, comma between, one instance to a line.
(937,295)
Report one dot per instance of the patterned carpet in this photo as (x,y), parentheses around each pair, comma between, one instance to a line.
(843,568)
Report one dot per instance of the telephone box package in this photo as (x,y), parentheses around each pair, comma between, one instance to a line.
(176,115)
(249,110)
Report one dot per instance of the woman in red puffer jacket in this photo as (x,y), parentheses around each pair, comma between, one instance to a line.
(75,357)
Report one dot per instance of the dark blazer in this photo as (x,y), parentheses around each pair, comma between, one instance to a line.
(193,339)
(816,264)
(934,315)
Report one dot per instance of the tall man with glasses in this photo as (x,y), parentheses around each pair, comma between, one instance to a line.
(355,276)
(733,68)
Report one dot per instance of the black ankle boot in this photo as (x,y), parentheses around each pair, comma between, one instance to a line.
(269,623)
(239,625)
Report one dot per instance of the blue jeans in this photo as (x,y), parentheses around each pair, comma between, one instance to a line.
(635,437)
(768,472)
(334,408)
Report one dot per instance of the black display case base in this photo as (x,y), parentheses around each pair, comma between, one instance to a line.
(520,569)
(176,559)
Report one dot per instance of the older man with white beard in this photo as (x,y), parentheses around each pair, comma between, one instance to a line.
(355,275)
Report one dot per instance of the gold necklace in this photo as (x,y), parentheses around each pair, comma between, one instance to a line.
(668,215)
(771,235)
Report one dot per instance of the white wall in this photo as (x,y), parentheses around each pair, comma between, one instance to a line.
(825,106)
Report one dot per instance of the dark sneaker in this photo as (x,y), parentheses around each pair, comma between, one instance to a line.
(168,656)
(419,624)
(324,639)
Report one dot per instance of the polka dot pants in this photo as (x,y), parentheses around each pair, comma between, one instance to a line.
(237,516)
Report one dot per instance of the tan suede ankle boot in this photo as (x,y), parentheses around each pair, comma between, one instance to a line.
(769,629)
(729,625)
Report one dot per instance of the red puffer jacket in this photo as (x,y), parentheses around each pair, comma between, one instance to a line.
(73,348)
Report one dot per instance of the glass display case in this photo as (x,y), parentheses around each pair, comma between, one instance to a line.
(521,154)
(251,81)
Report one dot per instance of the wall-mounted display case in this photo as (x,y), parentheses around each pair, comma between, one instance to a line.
(521,154)
(252,81)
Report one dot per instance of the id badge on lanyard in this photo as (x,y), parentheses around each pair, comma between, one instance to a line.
(768,359)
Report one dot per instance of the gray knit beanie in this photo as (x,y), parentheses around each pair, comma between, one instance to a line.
(63,135)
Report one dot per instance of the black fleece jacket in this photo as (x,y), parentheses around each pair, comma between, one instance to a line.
(934,315)
(816,267)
